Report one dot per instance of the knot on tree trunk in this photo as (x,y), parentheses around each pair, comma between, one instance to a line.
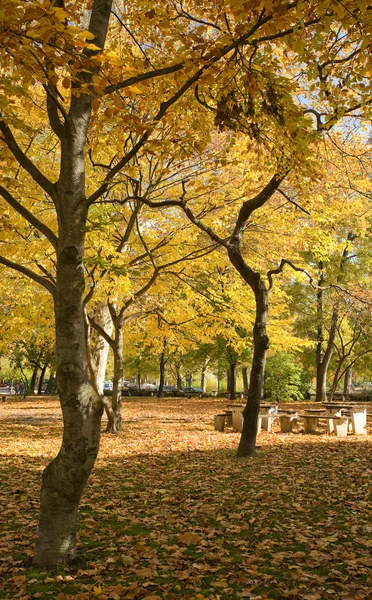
(70,253)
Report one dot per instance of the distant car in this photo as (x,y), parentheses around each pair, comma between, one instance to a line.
(169,388)
(149,386)
(132,385)
(107,386)
(193,389)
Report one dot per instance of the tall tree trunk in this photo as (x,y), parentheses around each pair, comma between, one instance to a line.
(41,380)
(179,377)
(336,377)
(162,370)
(114,417)
(228,380)
(33,379)
(322,367)
(203,379)
(232,381)
(323,362)
(65,478)
(245,379)
(348,381)
(100,347)
(251,411)
(321,391)
(51,383)
(139,380)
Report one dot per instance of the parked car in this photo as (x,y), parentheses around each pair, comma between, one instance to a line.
(169,388)
(189,390)
(149,386)
(107,386)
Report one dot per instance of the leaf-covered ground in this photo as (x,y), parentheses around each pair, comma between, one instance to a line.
(171,513)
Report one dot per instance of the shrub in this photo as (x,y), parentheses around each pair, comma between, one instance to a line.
(285,380)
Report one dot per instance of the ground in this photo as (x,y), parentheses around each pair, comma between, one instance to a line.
(170,513)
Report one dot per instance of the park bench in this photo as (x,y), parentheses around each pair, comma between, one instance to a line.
(223,420)
(356,413)
(339,423)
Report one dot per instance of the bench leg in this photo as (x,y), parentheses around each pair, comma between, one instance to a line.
(341,426)
(237,419)
(359,422)
(285,424)
(219,422)
(311,424)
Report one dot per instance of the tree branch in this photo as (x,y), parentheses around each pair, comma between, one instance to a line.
(25,161)
(39,225)
(46,283)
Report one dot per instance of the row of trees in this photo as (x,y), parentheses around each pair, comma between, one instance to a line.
(165,148)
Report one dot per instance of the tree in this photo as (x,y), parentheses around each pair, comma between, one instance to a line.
(53,66)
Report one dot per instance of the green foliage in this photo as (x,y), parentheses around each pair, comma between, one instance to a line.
(285,379)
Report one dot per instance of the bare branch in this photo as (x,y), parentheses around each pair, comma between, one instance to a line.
(292,201)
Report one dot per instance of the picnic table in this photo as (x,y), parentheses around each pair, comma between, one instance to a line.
(267,415)
(356,412)
(341,417)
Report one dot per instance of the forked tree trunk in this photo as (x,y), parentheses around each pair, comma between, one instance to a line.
(228,380)
(162,370)
(179,377)
(245,379)
(114,418)
(322,367)
(100,347)
(33,380)
(232,381)
(247,445)
(203,378)
(41,380)
(51,383)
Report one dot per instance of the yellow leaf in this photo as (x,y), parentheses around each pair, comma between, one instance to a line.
(97,590)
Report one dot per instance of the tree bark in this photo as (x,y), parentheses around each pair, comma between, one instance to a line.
(232,381)
(247,445)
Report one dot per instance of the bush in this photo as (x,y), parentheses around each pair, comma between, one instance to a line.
(285,380)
